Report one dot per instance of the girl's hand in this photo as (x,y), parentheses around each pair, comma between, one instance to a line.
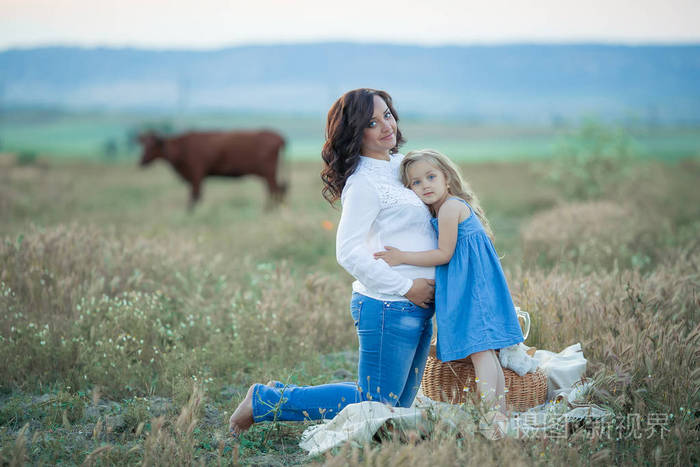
(392,256)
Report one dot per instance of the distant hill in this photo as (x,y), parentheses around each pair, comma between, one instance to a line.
(508,83)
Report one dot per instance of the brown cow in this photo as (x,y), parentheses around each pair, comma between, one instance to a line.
(197,155)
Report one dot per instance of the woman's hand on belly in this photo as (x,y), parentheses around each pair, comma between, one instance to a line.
(422,292)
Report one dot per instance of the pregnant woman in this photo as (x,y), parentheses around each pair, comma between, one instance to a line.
(391,307)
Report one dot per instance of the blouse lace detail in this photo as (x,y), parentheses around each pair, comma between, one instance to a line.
(389,188)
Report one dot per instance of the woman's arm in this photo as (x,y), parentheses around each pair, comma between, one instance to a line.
(448,221)
(360,209)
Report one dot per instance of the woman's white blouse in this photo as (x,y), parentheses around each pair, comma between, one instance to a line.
(379,211)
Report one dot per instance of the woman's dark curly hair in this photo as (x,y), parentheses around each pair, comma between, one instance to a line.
(347,120)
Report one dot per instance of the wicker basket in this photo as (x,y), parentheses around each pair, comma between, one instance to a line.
(445,382)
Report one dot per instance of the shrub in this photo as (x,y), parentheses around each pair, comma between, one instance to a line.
(26,158)
(592,162)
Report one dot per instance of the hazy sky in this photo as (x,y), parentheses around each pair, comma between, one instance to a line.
(218,23)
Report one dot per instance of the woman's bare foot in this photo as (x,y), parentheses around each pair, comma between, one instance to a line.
(242,418)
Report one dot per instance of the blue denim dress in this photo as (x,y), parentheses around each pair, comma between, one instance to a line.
(473,306)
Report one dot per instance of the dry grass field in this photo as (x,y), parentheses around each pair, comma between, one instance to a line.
(131,328)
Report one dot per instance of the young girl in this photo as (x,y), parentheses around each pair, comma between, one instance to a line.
(474,310)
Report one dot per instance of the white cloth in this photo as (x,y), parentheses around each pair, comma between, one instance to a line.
(359,422)
(563,369)
(378,211)
(516,358)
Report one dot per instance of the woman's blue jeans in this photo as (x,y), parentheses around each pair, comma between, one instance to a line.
(394,343)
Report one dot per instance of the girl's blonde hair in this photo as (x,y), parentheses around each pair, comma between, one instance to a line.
(456,185)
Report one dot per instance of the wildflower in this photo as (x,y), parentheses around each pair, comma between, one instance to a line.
(327,225)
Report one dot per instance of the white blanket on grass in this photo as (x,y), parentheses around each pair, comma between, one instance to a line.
(565,391)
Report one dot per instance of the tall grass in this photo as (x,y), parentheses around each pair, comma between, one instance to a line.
(116,303)
(81,308)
